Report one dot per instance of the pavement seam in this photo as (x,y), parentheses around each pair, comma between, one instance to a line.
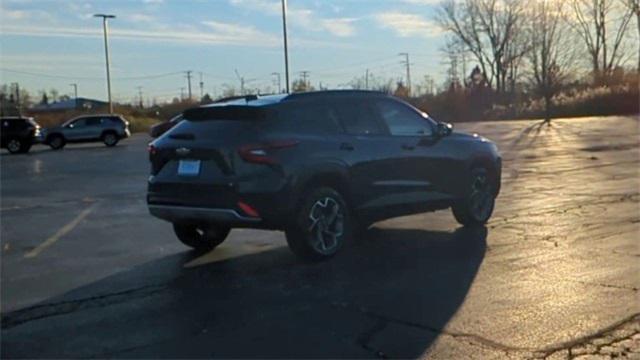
(479,340)
(37,312)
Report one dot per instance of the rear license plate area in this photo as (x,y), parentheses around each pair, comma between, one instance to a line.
(189,168)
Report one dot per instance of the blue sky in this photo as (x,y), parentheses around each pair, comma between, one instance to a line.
(154,41)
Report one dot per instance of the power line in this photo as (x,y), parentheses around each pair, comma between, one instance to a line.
(66,77)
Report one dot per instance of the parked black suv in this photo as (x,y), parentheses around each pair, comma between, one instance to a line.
(19,133)
(318,165)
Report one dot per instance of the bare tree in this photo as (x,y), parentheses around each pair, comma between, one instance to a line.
(602,25)
(487,29)
(634,7)
(550,54)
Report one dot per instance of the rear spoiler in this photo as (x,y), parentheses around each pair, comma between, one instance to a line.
(228,112)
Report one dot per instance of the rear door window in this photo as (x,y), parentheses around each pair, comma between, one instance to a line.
(357,118)
(93,121)
(305,117)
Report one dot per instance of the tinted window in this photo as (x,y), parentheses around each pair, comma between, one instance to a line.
(11,124)
(79,122)
(402,120)
(357,119)
(310,118)
(93,121)
(115,120)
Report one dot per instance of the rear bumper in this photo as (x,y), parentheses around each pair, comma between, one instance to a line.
(173,213)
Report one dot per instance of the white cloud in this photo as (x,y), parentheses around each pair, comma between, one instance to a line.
(153,1)
(408,25)
(303,17)
(342,27)
(140,18)
(225,34)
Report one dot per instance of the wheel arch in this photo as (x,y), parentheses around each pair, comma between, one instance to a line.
(334,178)
(492,166)
(54,134)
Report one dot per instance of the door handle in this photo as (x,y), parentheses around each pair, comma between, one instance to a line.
(408,147)
(346,146)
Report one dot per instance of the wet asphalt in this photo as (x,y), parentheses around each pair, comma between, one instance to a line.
(86,272)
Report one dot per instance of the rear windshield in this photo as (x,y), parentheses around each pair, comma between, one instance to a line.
(229,112)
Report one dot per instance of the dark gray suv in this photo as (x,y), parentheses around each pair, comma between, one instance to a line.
(317,165)
(106,128)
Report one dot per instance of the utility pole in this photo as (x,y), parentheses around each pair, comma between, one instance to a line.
(408,66)
(241,81)
(140,96)
(189,82)
(305,76)
(182,94)
(106,54)
(366,79)
(17,97)
(286,49)
(75,95)
(201,87)
(277,81)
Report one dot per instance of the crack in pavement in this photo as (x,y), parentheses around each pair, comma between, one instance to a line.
(365,338)
(42,311)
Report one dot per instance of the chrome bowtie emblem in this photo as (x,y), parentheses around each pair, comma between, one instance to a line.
(182,151)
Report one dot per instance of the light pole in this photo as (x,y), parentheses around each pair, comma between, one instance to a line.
(106,53)
(75,95)
(286,49)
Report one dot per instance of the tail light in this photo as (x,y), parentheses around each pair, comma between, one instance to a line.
(248,209)
(152,150)
(262,153)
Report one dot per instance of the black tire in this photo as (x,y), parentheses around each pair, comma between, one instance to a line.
(15,145)
(477,207)
(322,225)
(110,138)
(201,238)
(56,142)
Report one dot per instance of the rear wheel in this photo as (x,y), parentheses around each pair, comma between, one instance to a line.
(110,139)
(201,238)
(15,145)
(477,207)
(322,225)
(56,142)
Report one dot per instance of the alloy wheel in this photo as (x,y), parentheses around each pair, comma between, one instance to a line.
(14,145)
(481,200)
(327,225)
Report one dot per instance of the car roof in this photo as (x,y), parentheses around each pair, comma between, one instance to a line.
(16,118)
(264,100)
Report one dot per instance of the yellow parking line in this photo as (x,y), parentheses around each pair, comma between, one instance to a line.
(60,233)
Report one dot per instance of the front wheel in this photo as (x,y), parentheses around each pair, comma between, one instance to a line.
(56,142)
(110,139)
(15,146)
(201,238)
(476,208)
(321,227)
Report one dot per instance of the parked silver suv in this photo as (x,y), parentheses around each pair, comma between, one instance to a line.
(106,128)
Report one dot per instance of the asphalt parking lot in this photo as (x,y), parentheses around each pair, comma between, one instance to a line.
(87,272)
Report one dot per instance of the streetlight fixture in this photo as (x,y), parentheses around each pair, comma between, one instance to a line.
(286,49)
(106,53)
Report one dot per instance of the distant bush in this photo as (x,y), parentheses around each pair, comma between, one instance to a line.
(465,105)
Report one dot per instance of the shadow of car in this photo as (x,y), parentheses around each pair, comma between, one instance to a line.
(390,293)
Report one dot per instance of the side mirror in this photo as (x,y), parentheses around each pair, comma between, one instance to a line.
(444,129)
